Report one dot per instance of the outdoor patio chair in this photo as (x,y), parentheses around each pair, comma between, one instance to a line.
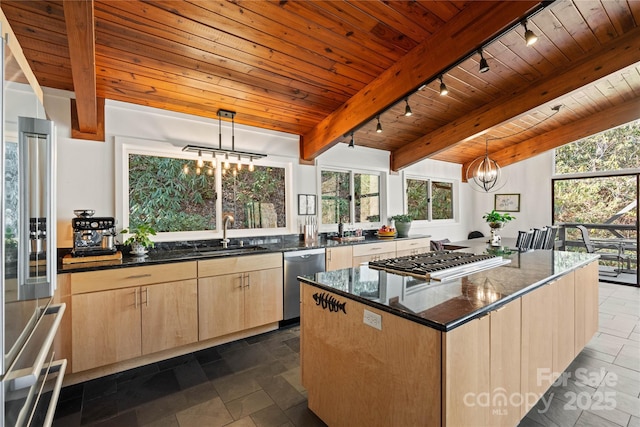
(619,257)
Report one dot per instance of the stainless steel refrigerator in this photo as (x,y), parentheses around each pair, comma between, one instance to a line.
(31,377)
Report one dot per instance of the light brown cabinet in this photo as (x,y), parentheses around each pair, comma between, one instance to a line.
(338,258)
(120,324)
(537,349)
(251,296)
(412,246)
(373,252)
(585,305)
(482,369)
(113,321)
(563,322)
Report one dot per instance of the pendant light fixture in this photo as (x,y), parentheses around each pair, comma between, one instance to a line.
(484,173)
(484,65)
(529,35)
(241,155)
(378,126)
(407,109)
(443,87)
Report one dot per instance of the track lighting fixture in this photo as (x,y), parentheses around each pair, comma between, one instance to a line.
(227,165)
(200,162)
(251,167)
(378,126)
(529,35)
(484,65)
(351,142)
(443,87)
(407,109)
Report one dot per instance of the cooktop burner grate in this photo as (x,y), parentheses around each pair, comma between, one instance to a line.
(438,265)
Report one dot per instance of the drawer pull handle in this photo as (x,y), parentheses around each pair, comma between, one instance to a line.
(139,276)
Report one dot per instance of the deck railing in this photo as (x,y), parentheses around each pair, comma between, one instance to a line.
(615,234)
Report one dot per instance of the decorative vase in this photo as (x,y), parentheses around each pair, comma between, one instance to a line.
(495,239)
(403,228)
(138,248)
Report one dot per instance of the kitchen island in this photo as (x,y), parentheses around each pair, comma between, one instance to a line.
(379,348)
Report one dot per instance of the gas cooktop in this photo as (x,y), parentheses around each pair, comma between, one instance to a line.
(439,265)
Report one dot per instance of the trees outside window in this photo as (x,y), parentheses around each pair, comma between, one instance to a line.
(429,200)
(173,194)
(339,188)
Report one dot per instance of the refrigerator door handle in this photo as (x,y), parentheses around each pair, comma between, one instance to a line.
(25,378)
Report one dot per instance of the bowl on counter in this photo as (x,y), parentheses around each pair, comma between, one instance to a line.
(386,234)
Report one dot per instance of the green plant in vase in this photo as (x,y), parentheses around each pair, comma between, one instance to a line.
(140,238)
(403,224)
(496,219)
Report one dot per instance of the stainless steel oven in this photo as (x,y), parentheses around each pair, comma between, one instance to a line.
(30,376)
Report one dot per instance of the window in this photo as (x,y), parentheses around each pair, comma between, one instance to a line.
(429,200)
(339,188)
(172,194)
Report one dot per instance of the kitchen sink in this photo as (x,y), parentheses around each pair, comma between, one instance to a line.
(230,250)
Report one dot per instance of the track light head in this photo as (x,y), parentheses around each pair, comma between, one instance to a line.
(484,65)
(443,88)
(351,143)
(529,36)
(378,126)
(407,109)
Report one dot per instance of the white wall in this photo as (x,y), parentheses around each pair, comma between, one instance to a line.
(86,169)
(531,179)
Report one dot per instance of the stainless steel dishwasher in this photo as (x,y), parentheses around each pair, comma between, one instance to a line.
(299,263)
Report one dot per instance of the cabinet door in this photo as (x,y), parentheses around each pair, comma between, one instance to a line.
(338,258)
(106,327)
(263,297)
(220,305)
(364,259)
(505,364)
(587,281)
(169,315)
(466,374)
(563,322)
(537,338)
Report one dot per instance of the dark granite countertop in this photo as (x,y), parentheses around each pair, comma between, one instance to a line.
(447,305)
(167,252)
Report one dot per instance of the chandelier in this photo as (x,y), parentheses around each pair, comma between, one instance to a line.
(223,154)
(484,173)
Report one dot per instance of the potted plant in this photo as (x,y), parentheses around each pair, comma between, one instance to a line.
(139,239)
(403,224)
(496,219)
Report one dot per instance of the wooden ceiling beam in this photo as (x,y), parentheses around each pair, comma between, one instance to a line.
(613,57)
(80,24)
(477,22)
(582,128)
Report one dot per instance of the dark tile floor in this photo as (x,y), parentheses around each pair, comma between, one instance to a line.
(256,382)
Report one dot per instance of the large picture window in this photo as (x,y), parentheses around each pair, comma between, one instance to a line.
(174,195)
(339,188)
(429,200)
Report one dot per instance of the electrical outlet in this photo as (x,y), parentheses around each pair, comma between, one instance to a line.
(372,319)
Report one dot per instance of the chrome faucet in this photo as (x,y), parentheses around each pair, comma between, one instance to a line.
(228,218)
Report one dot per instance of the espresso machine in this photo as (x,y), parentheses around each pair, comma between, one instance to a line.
(93,235)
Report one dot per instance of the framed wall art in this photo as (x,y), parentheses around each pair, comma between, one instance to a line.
(507,202)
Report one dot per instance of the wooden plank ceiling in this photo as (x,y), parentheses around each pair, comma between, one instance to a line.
(326,69)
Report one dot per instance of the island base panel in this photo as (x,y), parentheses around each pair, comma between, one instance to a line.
(358,375)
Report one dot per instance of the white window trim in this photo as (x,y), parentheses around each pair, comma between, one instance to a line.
(383,182)
(124,146)
(456,197)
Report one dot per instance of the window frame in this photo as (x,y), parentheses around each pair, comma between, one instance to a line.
(382,195)
(454,199)
(124,146)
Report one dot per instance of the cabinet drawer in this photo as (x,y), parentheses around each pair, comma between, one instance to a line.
(92,281)
(404,245)
(219,266)
(374,248)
